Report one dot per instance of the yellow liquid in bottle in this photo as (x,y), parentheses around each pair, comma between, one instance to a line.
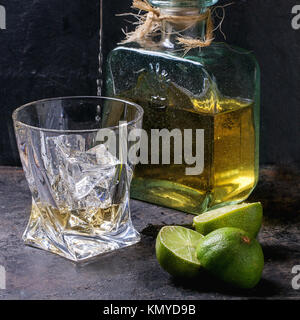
(229,173)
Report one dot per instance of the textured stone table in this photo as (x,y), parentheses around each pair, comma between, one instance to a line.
(133,273)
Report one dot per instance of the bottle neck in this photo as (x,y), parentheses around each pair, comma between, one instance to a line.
(172,30)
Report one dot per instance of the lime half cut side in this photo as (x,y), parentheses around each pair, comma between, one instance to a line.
(176,251)
(246,216)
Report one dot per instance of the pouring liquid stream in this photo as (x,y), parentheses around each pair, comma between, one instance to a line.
(100,61)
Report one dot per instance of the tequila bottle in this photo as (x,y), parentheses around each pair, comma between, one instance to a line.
(210,94)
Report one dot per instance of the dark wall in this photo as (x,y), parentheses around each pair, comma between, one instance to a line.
(50,48)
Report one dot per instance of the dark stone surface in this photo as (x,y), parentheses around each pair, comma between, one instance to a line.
(133,273)
(50,49)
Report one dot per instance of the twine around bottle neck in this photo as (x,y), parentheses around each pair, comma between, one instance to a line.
(151,22)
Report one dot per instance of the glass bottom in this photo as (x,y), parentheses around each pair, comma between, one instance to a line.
(68,235)
(186,199)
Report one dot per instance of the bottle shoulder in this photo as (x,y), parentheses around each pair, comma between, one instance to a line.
(222,69)
(216,54)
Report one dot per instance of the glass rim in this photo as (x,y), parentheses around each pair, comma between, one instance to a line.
(132,122)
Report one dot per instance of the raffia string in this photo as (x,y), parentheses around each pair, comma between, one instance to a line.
(151,22)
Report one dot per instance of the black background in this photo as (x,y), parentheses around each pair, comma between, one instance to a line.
(50,48)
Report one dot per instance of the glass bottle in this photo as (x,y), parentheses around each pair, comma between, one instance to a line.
(216,89)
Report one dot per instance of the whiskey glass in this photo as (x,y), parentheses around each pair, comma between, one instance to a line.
(79,184)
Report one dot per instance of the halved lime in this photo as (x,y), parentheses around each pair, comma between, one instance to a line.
(246,216)
(176,251)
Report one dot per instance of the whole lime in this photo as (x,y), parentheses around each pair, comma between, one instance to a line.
(231,255)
